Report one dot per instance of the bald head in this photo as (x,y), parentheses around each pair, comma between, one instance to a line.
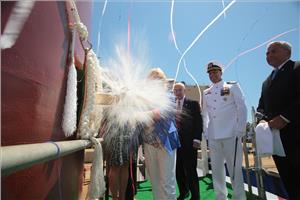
(278,52)
(282,44)
(179,90)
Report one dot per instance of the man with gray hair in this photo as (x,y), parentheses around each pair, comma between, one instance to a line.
(280,104)
(189,126)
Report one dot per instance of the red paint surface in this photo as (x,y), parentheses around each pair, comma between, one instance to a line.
(33,87)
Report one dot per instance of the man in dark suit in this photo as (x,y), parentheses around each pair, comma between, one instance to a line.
(189,126)
(280,103)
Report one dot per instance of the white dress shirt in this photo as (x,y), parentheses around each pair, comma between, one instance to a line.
(179,106)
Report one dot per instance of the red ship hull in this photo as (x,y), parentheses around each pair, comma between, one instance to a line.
(33,88)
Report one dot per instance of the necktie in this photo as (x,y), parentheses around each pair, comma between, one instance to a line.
(177,117)
(178,107)
(275,71)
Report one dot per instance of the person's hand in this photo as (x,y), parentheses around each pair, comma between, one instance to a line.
(156,114)
(262,121)
(197,144)
(277,123)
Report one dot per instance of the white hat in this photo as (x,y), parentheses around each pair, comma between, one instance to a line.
(214,65)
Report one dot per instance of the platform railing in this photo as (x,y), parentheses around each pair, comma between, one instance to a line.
(18,157)
(259,172)
(247,165)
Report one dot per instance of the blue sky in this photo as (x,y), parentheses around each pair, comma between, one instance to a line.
(247,24)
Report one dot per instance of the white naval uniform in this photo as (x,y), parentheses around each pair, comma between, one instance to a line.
(224,119)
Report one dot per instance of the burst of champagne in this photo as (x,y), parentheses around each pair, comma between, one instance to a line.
(137,96)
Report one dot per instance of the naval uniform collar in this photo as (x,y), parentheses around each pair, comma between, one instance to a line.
(218,84)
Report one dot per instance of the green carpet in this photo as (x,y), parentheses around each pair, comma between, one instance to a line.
(206,190)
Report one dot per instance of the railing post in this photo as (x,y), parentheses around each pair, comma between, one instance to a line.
(257,162)
(247,166)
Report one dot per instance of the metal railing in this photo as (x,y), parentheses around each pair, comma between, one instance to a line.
(258,169)
(17,157)
(247,165)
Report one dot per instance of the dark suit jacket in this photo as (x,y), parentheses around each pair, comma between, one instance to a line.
(281,96)
(191,124)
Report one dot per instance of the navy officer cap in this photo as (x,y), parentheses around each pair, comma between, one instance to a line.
(214,65)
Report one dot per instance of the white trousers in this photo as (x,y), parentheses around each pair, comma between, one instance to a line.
(222,150)
(160,166)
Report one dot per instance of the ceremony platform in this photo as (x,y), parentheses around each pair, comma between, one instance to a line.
(271,179)
(144,190)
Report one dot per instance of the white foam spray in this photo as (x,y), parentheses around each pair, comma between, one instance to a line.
(137,96)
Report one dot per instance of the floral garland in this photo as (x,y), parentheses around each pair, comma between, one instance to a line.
(91,116)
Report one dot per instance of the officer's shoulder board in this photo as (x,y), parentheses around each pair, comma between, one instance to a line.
(231,82)
(207,91)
